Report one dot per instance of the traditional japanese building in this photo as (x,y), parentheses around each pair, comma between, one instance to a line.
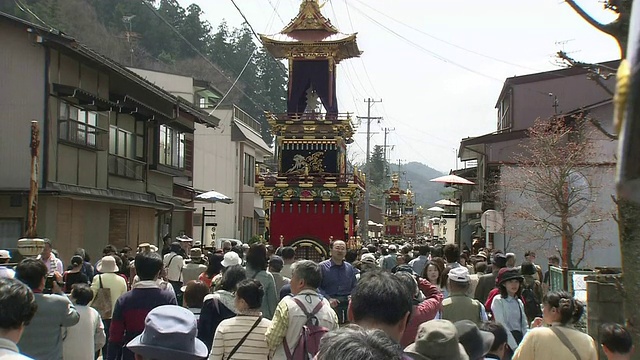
(394,210)
(409,216)
(313,196)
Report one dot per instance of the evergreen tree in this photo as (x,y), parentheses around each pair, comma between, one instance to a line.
(378,167)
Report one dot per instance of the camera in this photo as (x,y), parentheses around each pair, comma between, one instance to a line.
(48,283)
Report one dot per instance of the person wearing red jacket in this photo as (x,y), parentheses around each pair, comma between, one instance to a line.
(423,309)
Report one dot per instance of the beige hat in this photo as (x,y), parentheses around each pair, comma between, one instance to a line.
(196,253)
(459,274)
(152,248)
(437,340)
(368,258)
(5,254)
(107,265)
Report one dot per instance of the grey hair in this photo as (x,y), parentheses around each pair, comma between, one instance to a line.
(308,271)
(353,342)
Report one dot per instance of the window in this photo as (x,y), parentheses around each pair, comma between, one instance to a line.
(126,148)
(249,170)
(172,147)
(10,232)
(504,112)
(77,125)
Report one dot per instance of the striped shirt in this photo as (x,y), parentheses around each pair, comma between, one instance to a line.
(229,333)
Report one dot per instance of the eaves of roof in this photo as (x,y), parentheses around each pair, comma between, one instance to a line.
(61,39)
(494,137)
(549,75)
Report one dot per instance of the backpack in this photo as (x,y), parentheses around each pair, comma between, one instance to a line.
(310,335)
(531,304)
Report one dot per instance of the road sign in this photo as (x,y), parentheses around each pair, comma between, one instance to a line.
(492,221)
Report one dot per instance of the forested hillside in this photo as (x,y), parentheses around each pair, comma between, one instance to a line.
(162,35)
(414,173)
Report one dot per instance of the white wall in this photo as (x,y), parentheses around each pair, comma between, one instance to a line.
(521,235)
(216,162)
(177,85)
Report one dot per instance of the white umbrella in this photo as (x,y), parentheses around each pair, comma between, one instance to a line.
(446,202)
(435,208)
(214,196)
(452,179)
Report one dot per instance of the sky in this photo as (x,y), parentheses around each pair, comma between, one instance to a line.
(438,66)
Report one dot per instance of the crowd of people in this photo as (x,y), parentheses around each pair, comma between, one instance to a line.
(383,301)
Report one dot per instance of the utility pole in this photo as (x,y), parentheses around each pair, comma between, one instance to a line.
(384,155)
(367,191)
(384,169)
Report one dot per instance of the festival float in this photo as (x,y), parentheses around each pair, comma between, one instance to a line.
(312,198)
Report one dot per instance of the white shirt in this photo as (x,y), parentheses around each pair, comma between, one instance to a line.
(9,351)
(6,272)
(86,337)
(173,263)
(53,264)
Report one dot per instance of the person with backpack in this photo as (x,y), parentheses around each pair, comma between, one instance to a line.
(301,320)
(531,291)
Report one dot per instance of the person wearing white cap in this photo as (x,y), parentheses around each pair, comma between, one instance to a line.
(6,271)
(458,306)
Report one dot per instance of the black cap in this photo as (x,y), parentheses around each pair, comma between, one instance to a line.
(276,263)
(500,260)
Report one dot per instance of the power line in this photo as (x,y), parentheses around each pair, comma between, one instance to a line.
(420,47)
(255,34)
(234,83)
(275,11)
(177,32)
(444,41)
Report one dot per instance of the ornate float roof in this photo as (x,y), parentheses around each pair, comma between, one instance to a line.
(311,35)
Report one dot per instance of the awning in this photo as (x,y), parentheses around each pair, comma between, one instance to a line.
(259,212)
(251,135)
(130,104)
(84,98)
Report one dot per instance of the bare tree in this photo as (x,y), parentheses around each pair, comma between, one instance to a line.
(618,28)
(554,188)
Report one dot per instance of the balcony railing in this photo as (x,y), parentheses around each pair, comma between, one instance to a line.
(313,116)
(318,179)
(125,167)
(246,119)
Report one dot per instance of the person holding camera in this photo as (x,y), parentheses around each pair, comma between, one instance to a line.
(42,338)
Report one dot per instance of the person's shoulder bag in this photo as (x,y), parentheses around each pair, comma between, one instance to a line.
(565,341)
(102,301)
(244,338)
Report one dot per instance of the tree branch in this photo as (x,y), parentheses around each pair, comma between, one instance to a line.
(595,122)
(600,26)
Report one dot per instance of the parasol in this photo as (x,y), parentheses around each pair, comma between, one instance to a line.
(214,196)
(436,208)
(446,202)
(452,179)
